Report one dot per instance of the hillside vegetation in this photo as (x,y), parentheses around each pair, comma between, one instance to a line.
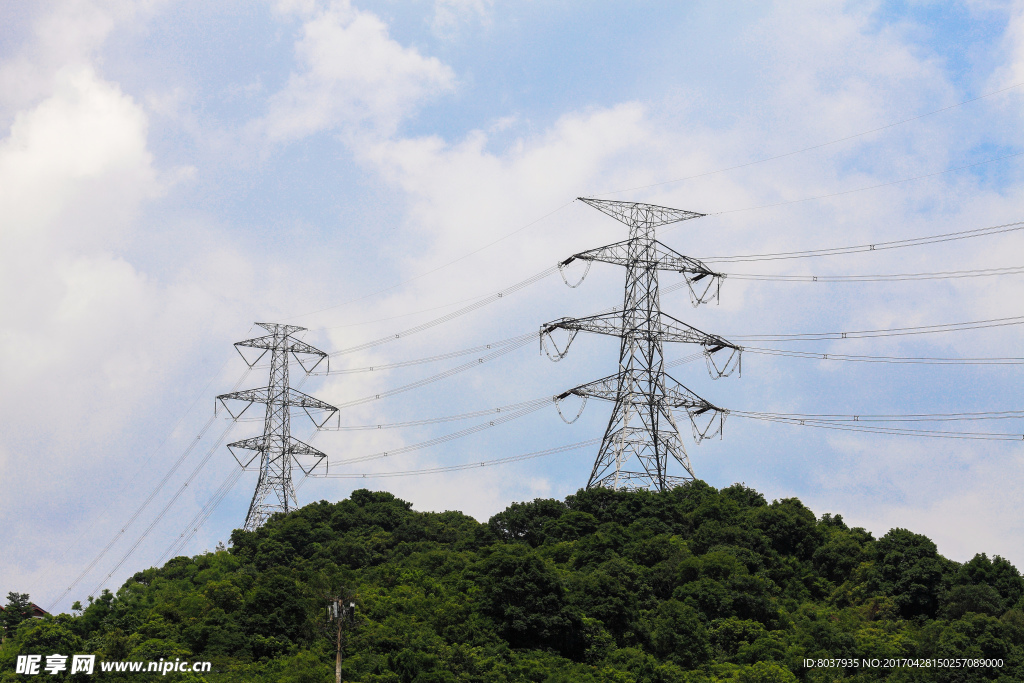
(695,584)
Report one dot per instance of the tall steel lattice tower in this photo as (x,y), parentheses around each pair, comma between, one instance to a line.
(278,451)
(642,435)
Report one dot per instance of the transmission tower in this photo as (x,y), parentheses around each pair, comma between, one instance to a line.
(642,434)
(278,451)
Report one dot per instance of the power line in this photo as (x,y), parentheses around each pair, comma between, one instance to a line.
(436,420)
(877,246)
(501,347)
(204,513)
(432,359)
(99,556)
(211,505)
(131,481)
(924,433)
(466,466)
(979,232)
(131,520)
(890,277)
(869,187)
(530,407)
(400,315)
(450,316)
(893,332)
(442,375)
(680,285)
(884,359)
(905,417)
(438,268)
(167,506)
(813,147)
(822,420)
(408,363)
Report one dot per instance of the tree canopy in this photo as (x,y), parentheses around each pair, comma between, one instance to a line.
(694,584)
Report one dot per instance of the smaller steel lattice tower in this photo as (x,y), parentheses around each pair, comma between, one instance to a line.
(278,451)
(642,435)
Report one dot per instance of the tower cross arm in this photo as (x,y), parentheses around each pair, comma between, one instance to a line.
(676,396)
(606,388)
(268,342)
(617,254)
(637,213)
(297,398)
(667,258)
(295,448)
(603,323)
(260,395)
(279,340)
(255,443)
(675,330)
(296,346)
(679,397)
(661,257)
(706,418)
(258,444)
(263,395)
(668,329)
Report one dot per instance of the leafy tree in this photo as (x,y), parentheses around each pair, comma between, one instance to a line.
(977,598)
(527,521)
(17,610)
(838,556)
(790,527)
(983,585)
(765,672)
(909,569)
(527,600)
(678,635)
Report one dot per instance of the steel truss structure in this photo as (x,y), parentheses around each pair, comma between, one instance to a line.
(642,435)
(278,451)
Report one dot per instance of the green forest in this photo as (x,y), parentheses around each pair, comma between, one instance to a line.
(694,584)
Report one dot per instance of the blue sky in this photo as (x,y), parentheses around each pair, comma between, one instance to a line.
(175,171)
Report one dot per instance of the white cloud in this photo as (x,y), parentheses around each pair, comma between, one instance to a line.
(69,156)
(1011,71)
(451,15)
(78,170)
(453,184)
(88,334)
(66,33)
(354,76)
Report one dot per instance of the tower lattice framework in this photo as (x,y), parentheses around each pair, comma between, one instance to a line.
(642,435)
(279,453)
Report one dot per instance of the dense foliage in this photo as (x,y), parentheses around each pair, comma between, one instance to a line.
(695,584)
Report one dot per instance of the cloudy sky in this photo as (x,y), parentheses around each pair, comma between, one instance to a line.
(173,172)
